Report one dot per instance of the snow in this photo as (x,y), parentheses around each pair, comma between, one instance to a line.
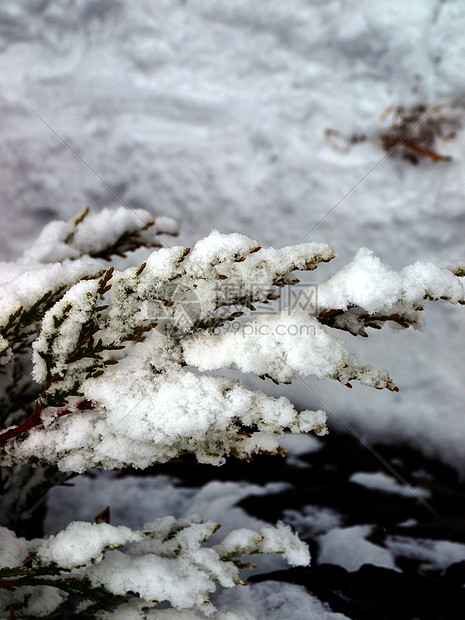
(165,562)
(281,537)
(147,407)
(177,569)
(76,307)
(432,554)
(281,346)
(297,445)
(216,501)
(379,481)
(312,520)
(7,353)
(144,418)
(180,411)
(218,248)
(36,601)
(368,283)
(263,600)
(96,232)
(274,600)
(27,283)
(154,579)
(158,496)
(13,550)
(348,547)
(44,600)
(81,542)
(243,542)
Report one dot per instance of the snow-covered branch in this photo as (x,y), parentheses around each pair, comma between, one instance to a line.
(123,356)
(100,564)
(367,293)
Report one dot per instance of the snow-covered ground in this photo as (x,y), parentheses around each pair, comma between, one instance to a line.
(215,112)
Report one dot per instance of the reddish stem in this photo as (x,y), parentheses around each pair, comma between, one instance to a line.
(36,420)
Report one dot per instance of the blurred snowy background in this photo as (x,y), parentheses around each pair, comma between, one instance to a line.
(215,113)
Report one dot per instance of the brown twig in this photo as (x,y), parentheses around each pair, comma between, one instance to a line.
(423,150)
